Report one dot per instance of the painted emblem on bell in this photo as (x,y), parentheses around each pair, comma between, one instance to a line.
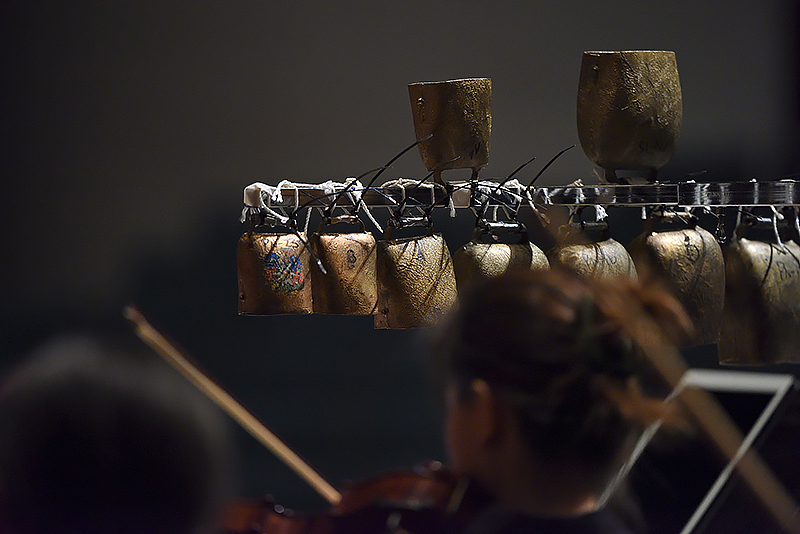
(283,271)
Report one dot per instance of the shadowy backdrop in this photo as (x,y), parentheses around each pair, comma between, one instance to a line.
(130,129)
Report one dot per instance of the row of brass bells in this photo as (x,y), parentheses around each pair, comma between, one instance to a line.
(486,257)
(761,317)
(278,274)
(688,263)
(404,283)
(629,115)
(630,110)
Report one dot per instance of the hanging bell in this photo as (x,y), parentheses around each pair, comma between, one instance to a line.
(416,282)
(485,256)
(761,316)
(273,271)
(688,262)
(350,286)
(599,256)
(458,114)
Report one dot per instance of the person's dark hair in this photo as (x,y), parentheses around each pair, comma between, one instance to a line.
(565,365)
(92,442)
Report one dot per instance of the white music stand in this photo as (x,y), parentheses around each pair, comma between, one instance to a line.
(727,381)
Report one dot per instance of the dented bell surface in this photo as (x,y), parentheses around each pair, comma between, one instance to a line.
(273,272)
(761,317)
(350,286)
(630,109)
(602,259)
(688,263)
(478,260)
(416,282)
(458,115)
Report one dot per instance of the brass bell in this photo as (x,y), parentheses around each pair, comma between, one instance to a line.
(479,259)
(761,316)
(630,110)
(416,282)
(273,271)
(600,256)
(350,286)
(458,115)
(688,263)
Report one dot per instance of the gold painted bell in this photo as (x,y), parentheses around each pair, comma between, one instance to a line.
(458,115)
(630,109)
(688,263)
(350,286)
(601,258)
(479,260)
(273,271)
(761,317)
(416,282)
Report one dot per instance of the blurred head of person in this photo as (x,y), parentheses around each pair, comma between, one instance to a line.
(543,401)
(93,441)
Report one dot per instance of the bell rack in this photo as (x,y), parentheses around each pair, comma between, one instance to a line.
(463,195)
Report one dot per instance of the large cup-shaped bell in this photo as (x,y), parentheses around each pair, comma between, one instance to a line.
(605,258)
(630,109)
(689,264)
(458,114)
(350,286)
(416,283)
(273,274)
(761,317)
(478,260)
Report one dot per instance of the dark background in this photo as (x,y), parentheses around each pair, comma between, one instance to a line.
(130,129)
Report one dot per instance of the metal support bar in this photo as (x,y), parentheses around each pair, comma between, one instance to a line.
(684,194)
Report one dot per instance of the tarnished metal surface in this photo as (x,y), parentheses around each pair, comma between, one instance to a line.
(350,286)
(603,259)
(459,115)
(629,108)
(478,261)
(416,283)
(761,318)
(273,274)
(689,263)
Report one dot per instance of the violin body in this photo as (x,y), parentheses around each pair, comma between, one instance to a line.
(427,500)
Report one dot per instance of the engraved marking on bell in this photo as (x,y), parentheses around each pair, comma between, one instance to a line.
(692,250)
(351,259)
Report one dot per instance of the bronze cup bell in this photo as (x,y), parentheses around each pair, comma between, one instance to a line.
(688,263)
(761,318)
(350,286)
(479,260)
(416,283)
(458,115)
(601,257)
(273,271)
(629,110)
